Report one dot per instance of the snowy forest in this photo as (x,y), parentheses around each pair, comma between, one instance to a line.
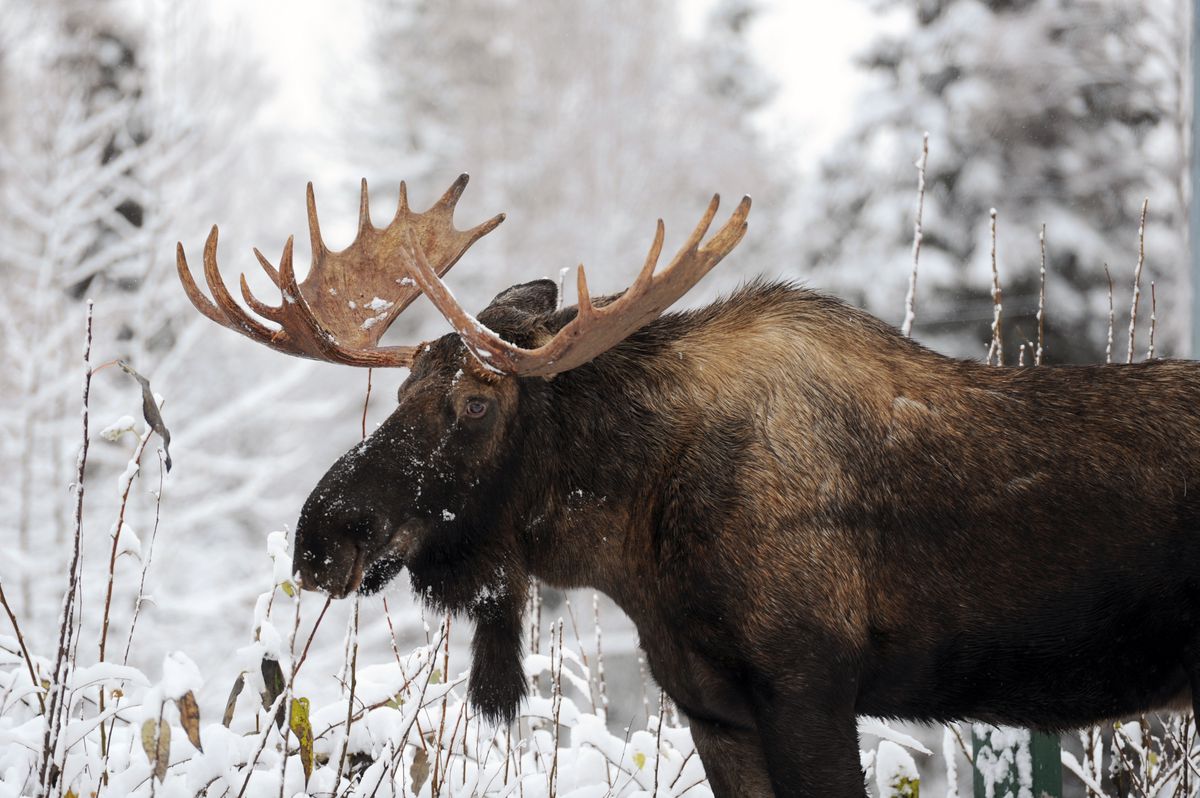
(153,641)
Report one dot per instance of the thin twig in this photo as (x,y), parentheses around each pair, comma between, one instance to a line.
(662,701)
(1153,320)
(1112,317)
(583,657)
(997,346)
(556,695)
(353,667)
(601,682)
(641,660)
(291,698)
(1137,279)
(137,604)
(918,235)
(46,774)
(24,651)
(1041,313)
(112,567)
(366,402)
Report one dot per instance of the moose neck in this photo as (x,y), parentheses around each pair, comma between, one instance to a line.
(636,457)
(627,458)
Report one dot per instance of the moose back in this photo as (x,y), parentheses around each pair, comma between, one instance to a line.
(808,516)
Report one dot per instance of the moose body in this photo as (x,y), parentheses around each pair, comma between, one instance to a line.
(808,517)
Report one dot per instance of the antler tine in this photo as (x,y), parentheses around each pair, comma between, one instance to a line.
(593,330)
(483,228)
(647,272)
(364,209)
(731,233)
(585,297)
(259,307)
(402,205)
(314,227)
(449,200)
(693,242)
(199,300)
(235,317)
(266,266)
(311,329)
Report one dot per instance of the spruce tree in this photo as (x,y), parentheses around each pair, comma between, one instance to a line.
(1063,112)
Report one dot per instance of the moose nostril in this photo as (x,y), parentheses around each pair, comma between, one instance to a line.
(357,569)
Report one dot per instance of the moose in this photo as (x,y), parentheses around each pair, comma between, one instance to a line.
(807,515)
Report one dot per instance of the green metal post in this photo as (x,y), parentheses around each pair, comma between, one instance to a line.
(1045,757)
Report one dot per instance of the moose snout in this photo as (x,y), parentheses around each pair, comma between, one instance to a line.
(334,542)
(334,567)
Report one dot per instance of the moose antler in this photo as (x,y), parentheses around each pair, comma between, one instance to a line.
(594,329)
(349,298)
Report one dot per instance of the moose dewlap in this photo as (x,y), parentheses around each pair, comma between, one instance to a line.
(807,515)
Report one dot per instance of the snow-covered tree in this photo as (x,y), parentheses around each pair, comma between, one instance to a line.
(117,138)
(584,122)
(1063,112)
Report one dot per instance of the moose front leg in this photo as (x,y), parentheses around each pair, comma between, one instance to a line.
(733,759)
(809,739)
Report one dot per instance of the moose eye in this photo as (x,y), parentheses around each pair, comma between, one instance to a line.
(475,408)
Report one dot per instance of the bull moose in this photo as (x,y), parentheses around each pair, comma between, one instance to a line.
(807,515)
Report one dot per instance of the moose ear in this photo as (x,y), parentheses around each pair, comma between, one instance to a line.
(536,298)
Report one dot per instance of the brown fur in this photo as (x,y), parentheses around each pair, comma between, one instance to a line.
(807,516)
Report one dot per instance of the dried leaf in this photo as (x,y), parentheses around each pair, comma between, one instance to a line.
(164,750)
(273,684)
(189,718)
(150,410)
(302,728)
(156,742)
(231,702)
(419,771)
(150,739)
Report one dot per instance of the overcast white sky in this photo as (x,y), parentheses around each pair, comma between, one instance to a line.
(807,44)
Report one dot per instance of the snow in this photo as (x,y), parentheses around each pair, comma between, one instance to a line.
(895,771)
(127,542)
(180,675)
(123,481)
(877,728)
(115,430)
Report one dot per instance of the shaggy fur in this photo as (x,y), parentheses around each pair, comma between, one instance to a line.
(808,517)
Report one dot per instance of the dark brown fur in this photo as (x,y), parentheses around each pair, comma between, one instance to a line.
(807,516)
